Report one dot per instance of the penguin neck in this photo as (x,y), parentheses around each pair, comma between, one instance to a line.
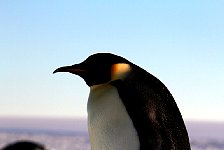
(109,124)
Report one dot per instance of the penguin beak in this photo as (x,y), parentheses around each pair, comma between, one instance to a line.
(74,69)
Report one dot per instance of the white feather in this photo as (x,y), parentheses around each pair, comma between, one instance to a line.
(110,127)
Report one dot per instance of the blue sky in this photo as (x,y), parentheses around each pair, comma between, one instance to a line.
(180,42)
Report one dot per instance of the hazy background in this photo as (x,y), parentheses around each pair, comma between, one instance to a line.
(71,134)
(180,42)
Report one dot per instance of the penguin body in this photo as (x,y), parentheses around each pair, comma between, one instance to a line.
(109,124)
(128,108)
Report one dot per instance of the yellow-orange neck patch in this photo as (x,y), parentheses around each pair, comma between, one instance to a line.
(119,71)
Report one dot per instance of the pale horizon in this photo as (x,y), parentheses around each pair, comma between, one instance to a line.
(65,134)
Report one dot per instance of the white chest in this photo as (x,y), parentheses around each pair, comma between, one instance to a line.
(110,127)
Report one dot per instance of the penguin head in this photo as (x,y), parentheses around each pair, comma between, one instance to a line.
(99,68)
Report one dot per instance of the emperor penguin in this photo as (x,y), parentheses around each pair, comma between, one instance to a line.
(24,145)
(128,108)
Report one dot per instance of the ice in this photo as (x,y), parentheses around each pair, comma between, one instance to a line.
(51,141)
(203,135)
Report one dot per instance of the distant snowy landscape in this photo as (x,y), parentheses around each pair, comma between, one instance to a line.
(69,134)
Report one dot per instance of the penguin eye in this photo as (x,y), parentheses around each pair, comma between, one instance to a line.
(119,71)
